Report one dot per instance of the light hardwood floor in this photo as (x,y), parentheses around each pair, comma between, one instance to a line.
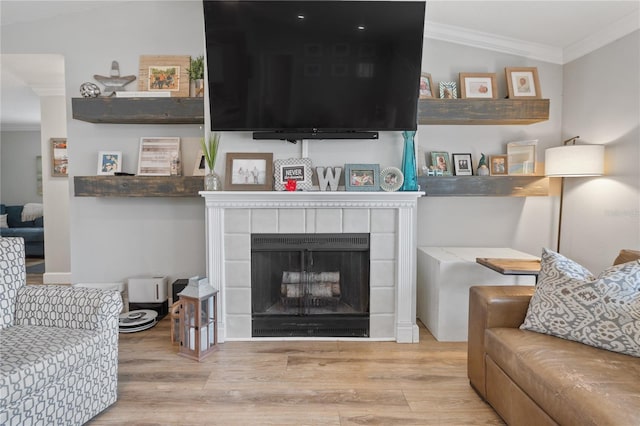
(295,383)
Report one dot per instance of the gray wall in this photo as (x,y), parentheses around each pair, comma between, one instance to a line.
(112,239)
(525,224)
(602,105)
(18,153)
(53,124)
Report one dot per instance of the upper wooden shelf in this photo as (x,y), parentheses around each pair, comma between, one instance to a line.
(484,186)
(138,186)
(139,110)
(482,111)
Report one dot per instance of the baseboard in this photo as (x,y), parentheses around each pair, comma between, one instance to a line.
(56,278)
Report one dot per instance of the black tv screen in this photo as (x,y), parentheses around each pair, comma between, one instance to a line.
(313,66)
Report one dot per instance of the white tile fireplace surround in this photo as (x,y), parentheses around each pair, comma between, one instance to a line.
(389,217)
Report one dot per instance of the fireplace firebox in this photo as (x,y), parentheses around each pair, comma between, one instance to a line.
(314,285)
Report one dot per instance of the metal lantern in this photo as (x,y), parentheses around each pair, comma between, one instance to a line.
(198,319)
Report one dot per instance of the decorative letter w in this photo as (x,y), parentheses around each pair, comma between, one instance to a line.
(330,179)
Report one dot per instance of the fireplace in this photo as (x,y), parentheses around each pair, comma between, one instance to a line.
(389,218)
(310,285)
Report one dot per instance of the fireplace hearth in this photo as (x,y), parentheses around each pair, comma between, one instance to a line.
(314,285)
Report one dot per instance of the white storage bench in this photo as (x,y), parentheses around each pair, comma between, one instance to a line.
(445,275)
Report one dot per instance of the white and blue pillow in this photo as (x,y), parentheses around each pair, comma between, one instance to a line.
(571,303)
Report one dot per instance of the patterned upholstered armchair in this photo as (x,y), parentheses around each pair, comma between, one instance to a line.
(59,350)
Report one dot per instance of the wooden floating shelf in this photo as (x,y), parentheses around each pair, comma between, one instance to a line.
(189,186)
(139,110)
(482,111)
(138,186)
(476,186)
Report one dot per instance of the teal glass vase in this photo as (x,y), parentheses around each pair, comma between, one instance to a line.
(409,169)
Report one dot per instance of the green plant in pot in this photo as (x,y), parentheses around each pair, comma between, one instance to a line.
(196,76)
(212,181)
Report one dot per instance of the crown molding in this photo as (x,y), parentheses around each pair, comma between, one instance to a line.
(482,40)
(611,33)
(537,51)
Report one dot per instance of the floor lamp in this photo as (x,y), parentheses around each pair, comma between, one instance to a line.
(571,160)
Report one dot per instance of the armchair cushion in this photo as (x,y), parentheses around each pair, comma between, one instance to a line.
(604,311)
(32,358)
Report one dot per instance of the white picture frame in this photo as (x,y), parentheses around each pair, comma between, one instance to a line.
(109,162)
(157,156)
(448,90)
(521,158)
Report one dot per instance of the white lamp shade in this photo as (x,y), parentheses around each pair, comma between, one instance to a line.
(574,160)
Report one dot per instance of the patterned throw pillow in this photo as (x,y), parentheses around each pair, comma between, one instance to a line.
(569,302)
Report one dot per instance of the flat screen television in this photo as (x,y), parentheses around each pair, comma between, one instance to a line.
(313,69)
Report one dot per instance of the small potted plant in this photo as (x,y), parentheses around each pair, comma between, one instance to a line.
(212,181)
(196,77)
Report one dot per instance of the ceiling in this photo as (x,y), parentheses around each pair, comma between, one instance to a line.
(552,23)
(552,31)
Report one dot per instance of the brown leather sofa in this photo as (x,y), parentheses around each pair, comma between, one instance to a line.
(531,378)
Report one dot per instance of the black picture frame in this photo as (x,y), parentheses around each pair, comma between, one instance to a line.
(462,164)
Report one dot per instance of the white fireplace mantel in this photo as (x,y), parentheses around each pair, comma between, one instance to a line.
(403,325)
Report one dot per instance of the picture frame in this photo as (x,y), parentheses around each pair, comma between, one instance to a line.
(521,158)
(362,177)
(426,86)
(498,165)
(523,82)
(59,157)
(39,174)
(109,162)
(249,171)
(199,167)
(297,169)
(448,90)
(462,165)
(441,162)
(391,179)
(480,85)
(158,156)
(164,73)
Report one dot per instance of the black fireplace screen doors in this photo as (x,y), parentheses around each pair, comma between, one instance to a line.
(314,285)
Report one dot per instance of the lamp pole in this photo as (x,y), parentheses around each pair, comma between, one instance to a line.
(560,214)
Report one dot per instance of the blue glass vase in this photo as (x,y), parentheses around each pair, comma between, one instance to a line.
(409,162)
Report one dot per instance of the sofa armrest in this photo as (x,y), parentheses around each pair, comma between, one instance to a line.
(68,307)
(489,307)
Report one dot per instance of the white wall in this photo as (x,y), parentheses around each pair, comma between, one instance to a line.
(18,155)
(525,224)
(56,195)
(112,239)
(602,105)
